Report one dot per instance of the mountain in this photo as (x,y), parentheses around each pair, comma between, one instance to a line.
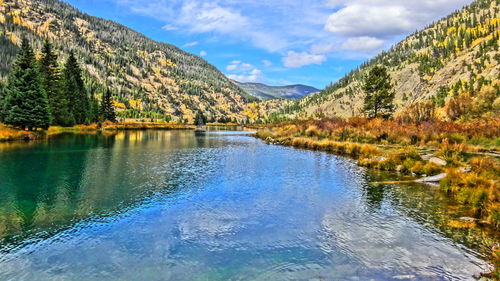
(148,78)
(457,54)
(265,92)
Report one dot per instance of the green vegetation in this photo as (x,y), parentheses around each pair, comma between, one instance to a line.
(379,94)
(37,95)
(425,149)
(148,79)
(461,48)
(25,102)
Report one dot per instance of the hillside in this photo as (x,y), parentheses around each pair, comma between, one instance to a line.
(457,54)
(265,92)
(148,78)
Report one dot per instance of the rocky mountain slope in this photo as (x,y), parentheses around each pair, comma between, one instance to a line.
(265,92)
(148,78)
(458,53)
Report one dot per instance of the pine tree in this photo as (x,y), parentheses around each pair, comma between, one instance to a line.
(2,100)
(26,104)
(107,108)
(379,94)
(74,90)
(52,84)
(94,109)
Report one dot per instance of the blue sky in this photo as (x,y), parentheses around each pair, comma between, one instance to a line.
(277,42)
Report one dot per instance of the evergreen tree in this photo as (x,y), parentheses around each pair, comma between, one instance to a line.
(379,94)
(107,108)
(26,104)
(94,109)
(52,84)
(2,99)
(199,119)
(74,90)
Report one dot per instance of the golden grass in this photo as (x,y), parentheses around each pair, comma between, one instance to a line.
(8,133)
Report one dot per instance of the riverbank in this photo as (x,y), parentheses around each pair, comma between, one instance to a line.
(464,157)
(8,133)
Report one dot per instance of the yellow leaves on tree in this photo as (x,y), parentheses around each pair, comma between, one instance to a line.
(252,111)
(119,105)
(135,104)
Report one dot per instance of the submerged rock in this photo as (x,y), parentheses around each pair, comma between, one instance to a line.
(432,179)
(467,219)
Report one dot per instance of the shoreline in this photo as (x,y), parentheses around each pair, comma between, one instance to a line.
(10,134)
(463,173)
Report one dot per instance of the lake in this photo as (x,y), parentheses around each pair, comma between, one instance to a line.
(217,205)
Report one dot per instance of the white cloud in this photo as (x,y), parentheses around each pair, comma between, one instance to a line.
(359,20)
(203,53)
(267,63)
(191,44)
(320,26)
(294,59)
(363,44)
(386,18)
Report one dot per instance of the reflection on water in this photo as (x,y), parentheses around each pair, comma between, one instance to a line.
(162,205)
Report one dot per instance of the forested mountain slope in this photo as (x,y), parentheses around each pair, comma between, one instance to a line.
(265,92)
(455,55)
(148,78)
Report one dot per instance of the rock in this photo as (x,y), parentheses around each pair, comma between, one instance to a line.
(380,158)
(438,161)
(427,157)
(436,178)
(467,219)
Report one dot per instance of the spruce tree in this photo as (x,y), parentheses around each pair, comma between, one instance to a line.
(26,104)
(52,84)
(2,100)
(107,108)
(379,94)
(74,90)
(94,110)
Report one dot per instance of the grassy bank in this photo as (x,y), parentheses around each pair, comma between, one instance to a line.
(8,133)
(467,153)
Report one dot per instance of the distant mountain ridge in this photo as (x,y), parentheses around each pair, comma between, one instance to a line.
(148,78)
(266,92)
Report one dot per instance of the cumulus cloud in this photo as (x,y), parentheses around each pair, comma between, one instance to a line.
(294,59)
(318,26)
(203,53)
(386,18)
(363,44)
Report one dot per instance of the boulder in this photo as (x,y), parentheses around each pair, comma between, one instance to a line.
(435,178)
(438,161)
(427,157)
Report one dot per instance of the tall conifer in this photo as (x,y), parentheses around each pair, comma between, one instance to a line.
(107,108)
(74,90)
(52,84)
(26,103)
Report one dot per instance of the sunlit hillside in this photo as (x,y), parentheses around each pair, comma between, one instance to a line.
(148,78)
(457,56)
